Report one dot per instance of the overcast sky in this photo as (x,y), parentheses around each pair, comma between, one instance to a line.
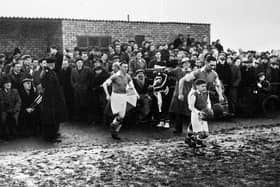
(247,24)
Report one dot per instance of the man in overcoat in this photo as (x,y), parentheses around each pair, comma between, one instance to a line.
(53,110)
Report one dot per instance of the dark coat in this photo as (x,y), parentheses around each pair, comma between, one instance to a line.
(53,104)
(97,94)
(15,78)
(235,75)
(10,102)
(249,76)
(67,89)
(273,74)
(80,80)
(96,80)
(224,73)
(28,121)
(177,106)
(141,89)
(58,63)
(36,77)
(27,99)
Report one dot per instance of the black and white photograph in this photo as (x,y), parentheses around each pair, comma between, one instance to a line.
(127,93)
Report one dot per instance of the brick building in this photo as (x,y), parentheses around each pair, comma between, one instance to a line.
(34,35)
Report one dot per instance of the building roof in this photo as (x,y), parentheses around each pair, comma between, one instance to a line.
(93,20)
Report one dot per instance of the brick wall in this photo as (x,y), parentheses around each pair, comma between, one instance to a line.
(32,36)
(155,32)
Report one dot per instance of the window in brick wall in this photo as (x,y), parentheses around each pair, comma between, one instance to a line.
(139,39)
(94,41)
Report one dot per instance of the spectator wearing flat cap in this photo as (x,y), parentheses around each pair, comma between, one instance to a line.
(80,79)
(29,111)
(10,104)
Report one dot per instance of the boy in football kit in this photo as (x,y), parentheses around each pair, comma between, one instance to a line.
(200,106)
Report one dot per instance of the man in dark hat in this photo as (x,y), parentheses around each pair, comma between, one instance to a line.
(53,104)
(10,103)
(29,112)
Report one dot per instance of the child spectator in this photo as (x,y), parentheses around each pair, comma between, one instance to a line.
(29,116)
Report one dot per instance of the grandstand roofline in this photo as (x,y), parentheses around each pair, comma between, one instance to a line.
(95,20)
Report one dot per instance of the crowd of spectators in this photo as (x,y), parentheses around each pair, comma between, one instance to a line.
(81,74)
